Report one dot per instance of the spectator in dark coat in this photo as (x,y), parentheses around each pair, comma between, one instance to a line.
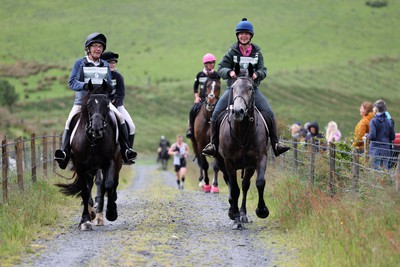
(381,135)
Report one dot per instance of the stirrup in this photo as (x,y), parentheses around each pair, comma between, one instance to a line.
(62,158)
(130,156)
(189,133)
(280,148)
(60,155)
(209,150)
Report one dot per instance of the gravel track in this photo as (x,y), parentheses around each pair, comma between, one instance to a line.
(158,225)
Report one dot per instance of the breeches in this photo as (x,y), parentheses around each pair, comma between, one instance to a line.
(128,119)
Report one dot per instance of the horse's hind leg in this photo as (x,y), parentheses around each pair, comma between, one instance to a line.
(262,210)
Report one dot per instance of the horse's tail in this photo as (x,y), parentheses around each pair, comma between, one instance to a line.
(73,189)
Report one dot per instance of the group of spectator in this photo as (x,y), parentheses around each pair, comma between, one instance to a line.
(375,124)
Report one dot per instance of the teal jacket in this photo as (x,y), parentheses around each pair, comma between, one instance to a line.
(234,56)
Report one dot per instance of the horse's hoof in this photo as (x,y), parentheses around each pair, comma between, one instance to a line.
(244,219)
(112,215)
(86,226)
(201,185)
(262,213)
(238,226)
(99,220)
(207,188)
(214,189)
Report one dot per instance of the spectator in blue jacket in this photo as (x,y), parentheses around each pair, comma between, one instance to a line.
(381,135)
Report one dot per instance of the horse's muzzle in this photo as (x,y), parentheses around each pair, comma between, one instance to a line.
(238,114)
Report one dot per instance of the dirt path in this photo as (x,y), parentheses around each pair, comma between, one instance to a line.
(159,225)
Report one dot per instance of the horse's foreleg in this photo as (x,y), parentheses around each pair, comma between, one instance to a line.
(99,200)
(234,193)
(99,219)
(111,188)
(262,210)
(245,188)
(205,166)
(87,181)
(214,188)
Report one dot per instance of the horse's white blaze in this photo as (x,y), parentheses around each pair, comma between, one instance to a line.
(97,102)
(211,94)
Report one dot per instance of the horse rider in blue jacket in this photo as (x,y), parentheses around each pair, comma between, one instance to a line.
(91,67)
(243,52)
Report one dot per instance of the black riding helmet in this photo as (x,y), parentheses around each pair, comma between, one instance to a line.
(109,56)
(96,38)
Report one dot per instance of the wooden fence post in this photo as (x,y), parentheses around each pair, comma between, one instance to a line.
(332,163)
(44,156)
(397,175)
(312,160)
(356,169)
(295,158)
(4,160)
(33,157)
(54,149)
(20,170)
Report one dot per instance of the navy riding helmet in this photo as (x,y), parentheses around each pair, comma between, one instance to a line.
(96,38)
(244,26)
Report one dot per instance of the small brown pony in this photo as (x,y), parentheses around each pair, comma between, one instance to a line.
(201,135)
(243,146)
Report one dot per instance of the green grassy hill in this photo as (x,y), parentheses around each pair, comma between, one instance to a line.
(323,57)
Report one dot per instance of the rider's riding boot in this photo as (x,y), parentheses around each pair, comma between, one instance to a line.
(131,140)
(128,154)
(278,147)
(210,149)
(62,155)
(189,132)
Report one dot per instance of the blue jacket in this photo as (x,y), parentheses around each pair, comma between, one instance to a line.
(76,80)
(381,132)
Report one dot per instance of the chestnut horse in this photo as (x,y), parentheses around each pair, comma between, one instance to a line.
(201,135)
(242,146)
(95,150)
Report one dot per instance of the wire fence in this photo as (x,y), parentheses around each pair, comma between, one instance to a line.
(25,161)
(341,167)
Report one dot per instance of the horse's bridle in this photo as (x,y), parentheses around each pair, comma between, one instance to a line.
(249,104)
(89,126)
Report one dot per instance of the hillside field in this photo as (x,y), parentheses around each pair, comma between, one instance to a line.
(323,58)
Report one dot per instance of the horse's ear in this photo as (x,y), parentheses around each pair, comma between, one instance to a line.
(106,87)
(90,86)
(251,70)
(237,69)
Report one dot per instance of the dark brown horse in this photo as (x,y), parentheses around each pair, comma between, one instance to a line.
(243,146)
(201,136)
(95,149)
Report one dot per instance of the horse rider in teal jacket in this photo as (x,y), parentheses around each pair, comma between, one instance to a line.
(243,52)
